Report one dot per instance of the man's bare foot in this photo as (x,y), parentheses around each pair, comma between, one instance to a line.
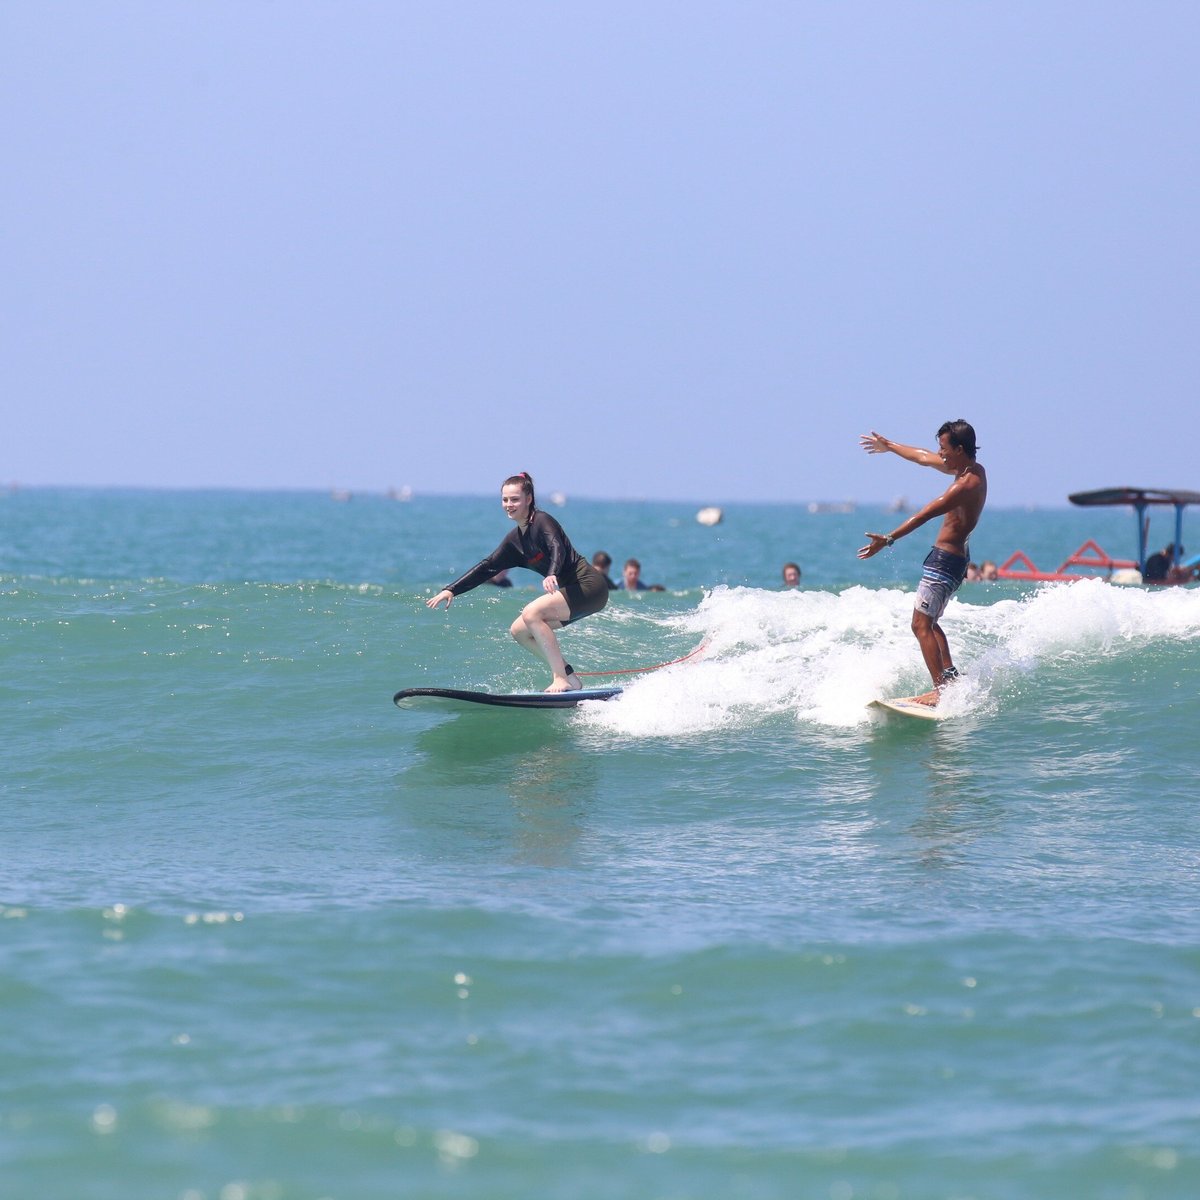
(929,699)
(565,683)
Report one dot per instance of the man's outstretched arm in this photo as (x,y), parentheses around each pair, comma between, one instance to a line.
(876,443)
(951,498)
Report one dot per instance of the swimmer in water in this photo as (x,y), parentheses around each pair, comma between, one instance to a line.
(573,588)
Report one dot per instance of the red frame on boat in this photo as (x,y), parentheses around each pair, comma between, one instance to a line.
(1089,557)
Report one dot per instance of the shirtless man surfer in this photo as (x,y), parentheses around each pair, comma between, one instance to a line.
(959,506)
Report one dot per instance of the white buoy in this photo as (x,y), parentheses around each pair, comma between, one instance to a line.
(711,515)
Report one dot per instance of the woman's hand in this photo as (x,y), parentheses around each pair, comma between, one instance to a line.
(550,584)
(445,594)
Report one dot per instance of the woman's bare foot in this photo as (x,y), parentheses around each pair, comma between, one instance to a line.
(565,683)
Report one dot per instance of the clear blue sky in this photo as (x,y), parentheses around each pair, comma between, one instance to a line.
(662,250)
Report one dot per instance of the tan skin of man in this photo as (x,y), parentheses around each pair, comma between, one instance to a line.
(959,506)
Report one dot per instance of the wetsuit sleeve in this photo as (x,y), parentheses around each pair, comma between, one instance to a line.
(558,550)
(505,555)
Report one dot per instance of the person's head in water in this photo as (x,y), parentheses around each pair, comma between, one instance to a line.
(960,435)
(516,495)
(791,575)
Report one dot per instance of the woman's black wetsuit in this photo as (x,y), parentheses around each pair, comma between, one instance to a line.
(544,547)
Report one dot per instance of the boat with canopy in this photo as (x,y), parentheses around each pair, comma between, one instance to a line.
(1091,562)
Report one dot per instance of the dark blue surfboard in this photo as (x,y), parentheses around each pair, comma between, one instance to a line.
(410,697)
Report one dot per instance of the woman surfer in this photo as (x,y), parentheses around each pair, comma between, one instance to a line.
(573,587)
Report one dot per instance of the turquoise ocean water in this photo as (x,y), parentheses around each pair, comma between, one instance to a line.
(263,936)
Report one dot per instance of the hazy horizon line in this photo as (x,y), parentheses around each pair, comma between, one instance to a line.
(826,505)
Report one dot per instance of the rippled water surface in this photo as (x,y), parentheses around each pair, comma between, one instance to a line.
(265,936)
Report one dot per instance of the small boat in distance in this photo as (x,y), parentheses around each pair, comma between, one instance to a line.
(1091,562)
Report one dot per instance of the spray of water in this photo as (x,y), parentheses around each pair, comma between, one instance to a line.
(821,657)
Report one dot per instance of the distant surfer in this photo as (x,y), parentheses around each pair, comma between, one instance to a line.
(959,506)
(574,588)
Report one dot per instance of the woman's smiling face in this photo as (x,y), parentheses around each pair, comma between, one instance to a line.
(515,502)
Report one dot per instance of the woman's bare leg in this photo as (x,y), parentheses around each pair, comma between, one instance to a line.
(534,631)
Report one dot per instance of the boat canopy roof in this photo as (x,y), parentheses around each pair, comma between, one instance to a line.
(1135,496)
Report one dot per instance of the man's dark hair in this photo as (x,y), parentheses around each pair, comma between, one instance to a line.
(962,436)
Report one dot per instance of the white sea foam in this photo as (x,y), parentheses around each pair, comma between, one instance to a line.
(821,657)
